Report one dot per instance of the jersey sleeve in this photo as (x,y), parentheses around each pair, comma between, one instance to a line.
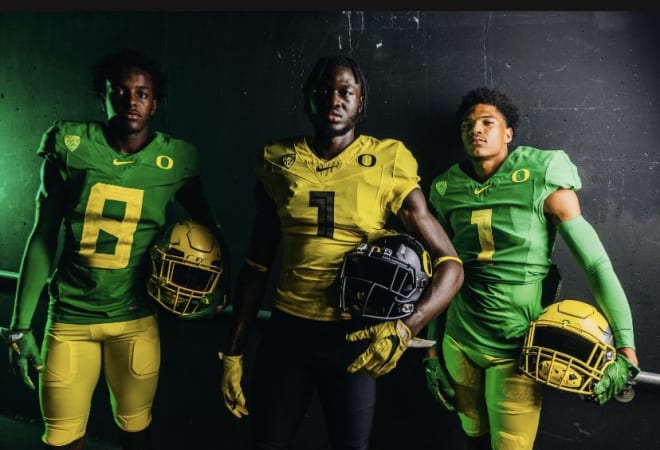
(561,173)
(185,153)
(193,166)
(52,172)
(405,177)
(261,170)
(47,147)
(436,192)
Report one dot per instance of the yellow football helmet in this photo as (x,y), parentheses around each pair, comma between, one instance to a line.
(568,347)
(187,264)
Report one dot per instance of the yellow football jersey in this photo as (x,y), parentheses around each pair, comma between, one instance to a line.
(326,207)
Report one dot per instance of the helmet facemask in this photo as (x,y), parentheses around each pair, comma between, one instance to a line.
(383,279)
(186,269)
(568,347)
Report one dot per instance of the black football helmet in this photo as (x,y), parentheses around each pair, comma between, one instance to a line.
(383,278)
(187,264)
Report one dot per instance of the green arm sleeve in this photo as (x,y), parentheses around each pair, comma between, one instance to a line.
(583,242)
(39,250)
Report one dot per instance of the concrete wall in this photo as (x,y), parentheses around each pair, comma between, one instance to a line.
(586,82)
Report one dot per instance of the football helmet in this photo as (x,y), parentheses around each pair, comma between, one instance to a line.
(187,264)
(384,277)
(568,347)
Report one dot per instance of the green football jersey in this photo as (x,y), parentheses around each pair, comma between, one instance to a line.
(326,207)
(115,206)
(501,233)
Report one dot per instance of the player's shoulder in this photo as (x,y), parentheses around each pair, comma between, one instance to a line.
(542,157)
(168,141)
(367,142)
(275,149)
(553,166)
(75,127)
(68,136)
(385,150)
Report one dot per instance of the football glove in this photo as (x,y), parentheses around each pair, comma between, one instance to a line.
(388,342)
(232,374)
(616,376)
(437,381)
(23,353)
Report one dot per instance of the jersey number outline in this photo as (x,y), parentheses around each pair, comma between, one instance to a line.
(483,219)
(124,229)
(325,202)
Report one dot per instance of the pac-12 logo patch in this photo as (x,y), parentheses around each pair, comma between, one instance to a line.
(288,160)
(441,187)
(71,142)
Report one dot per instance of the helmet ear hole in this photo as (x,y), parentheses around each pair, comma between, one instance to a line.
(187,271)
(383,278)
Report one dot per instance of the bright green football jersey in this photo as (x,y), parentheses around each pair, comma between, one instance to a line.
(326,207)
(115,206)
(501,233)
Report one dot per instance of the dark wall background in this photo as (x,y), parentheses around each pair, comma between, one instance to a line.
(586,82)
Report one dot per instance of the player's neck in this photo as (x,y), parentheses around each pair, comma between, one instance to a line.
(484,168)
(128,142)
(327,147)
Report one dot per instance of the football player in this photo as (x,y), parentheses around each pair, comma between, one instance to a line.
(109,184)
(318,197)
(502,210)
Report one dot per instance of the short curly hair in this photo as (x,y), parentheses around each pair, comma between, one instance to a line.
(488,96)
(322,66)
(109,67)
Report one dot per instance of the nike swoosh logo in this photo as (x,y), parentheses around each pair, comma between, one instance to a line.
(323,169)
(478,191)
(116,162)
(395,344)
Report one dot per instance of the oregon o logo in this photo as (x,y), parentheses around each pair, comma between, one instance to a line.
(367,160)
(164,162)
(520,176)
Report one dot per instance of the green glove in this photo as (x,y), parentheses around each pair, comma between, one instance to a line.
(232,374)
(615,378)
(23,349)
(388,342)
(437,381)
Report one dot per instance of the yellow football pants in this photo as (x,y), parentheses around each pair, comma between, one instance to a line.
(492,396)
(129,355)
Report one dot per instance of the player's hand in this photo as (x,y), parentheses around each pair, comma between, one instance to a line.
(232,374)
(616,376)
(388,342)
(23,354)
(437,381)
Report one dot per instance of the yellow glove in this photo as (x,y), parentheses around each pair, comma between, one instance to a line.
(388,342)
(231,384)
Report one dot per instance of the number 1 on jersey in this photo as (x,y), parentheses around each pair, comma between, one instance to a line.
(483,219)
(325,202)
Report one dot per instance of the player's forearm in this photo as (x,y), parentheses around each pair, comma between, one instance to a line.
(250,289)
(447,280)
(611,298)
(586,247)
(34,272)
